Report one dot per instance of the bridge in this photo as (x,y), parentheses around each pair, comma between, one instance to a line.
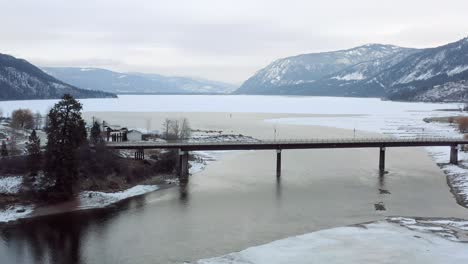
(185,147)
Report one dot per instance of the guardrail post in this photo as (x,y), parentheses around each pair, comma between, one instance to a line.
(454,154)
(382,160)
(278,162)
(184,166)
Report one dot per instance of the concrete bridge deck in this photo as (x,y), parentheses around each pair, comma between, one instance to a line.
(291,144)
(382,143)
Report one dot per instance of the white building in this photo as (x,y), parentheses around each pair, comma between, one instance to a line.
(134,135)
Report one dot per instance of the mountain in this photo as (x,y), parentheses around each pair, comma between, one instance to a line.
(311,68)
(434,74)
(116,82)
(20,79)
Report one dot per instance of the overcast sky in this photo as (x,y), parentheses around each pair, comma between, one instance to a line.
(215,39)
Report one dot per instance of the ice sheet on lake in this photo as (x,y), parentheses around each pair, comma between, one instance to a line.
(232,103)
(380,242)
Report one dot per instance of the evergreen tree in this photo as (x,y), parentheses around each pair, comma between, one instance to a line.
(4,150)
(66,132)
(96,133)
(34,154)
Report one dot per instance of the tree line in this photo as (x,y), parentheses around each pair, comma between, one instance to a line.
(70,158)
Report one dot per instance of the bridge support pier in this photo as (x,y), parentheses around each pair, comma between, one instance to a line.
(184,166)
(454,154)
(139,154)
(278,162)
(382,160)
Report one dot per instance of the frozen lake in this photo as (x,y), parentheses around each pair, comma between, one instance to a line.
(235,104)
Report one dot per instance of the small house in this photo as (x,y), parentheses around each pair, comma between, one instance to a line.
(134,135)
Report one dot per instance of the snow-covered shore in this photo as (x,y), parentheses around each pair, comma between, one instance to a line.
(396,240)
(11,184)
(91,200)
(86,200)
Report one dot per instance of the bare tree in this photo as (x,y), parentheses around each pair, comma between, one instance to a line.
(166,127)
(175,129)
(13,149)
(37,120)
(185,130)
(1,113)
(22,119)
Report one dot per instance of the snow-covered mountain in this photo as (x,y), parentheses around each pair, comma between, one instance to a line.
(116,82)
(311,68)
(20,79)
(435,74)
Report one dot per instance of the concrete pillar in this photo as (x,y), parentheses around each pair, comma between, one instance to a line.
(179,160)
(382,160)
(278,162)
(184,166)
(139,154)
(454,154)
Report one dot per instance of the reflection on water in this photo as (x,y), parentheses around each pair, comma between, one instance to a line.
(55,239)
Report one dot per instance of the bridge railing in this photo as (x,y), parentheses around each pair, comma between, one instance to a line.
(295,141)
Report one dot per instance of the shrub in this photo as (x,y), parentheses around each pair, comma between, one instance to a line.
(462,124)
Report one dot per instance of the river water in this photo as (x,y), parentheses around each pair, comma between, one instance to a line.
(238,202)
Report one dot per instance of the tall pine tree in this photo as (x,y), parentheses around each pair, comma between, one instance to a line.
(66,132)
(34,154)
(95,136)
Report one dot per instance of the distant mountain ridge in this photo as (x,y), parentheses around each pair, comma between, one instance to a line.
(127,83)
(20,79)
(434,74)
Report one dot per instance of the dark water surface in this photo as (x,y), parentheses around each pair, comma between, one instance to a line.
(235,203)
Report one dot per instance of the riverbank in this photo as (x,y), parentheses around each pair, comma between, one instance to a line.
(15,207)
(102,192)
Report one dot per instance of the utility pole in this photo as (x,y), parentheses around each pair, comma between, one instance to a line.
(274,129)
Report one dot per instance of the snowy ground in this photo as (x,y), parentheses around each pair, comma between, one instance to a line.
(15,212)
(397,240)
(10,185)
(404,124)
(87,200)
(90,200)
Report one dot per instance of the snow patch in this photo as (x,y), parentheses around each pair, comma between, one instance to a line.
(15,212)
(350,77)
(10,185)
(457,70)
(90,199)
